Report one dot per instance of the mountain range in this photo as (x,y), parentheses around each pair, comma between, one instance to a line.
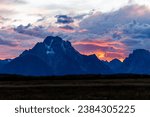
(54,56)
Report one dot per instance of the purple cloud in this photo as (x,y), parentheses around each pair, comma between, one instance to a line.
(64,19)
(7,42)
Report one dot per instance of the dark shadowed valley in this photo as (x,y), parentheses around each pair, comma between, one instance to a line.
(75,87)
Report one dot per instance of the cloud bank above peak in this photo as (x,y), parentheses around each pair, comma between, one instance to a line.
(128,28)
(103,22)
(109,35)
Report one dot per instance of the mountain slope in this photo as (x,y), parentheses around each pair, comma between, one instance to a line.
(55,56)
(3,63)
(27,65)
(137,63)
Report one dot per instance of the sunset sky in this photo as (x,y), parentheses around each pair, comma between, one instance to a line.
(108,28)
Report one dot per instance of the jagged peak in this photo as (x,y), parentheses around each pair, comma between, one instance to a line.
(68,42)
(138,54)
(53,41)
(48,40)
(115,60)
(140,51)
(93,56)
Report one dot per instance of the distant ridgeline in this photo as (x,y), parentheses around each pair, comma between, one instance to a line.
(55,56)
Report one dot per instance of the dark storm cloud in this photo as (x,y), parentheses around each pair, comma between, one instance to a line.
(129,25)
(67,27)
(36,31)
(137,30)
(21,28)
(103,22)
(64,19)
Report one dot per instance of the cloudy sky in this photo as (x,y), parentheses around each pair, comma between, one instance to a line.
(108,28)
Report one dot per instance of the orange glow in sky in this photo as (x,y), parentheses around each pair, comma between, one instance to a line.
(103,55)
(103,50)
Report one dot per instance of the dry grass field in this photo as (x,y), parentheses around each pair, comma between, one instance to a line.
(75,87)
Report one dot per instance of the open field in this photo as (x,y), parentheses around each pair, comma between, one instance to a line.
(75,87)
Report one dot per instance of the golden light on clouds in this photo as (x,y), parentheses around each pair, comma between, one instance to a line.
(103,49)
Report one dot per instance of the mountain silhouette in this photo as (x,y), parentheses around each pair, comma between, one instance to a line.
(3,63)
(55,56)
(27,65)
(137,63)
(115,65)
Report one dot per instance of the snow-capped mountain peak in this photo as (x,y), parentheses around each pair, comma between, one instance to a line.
(57,57)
